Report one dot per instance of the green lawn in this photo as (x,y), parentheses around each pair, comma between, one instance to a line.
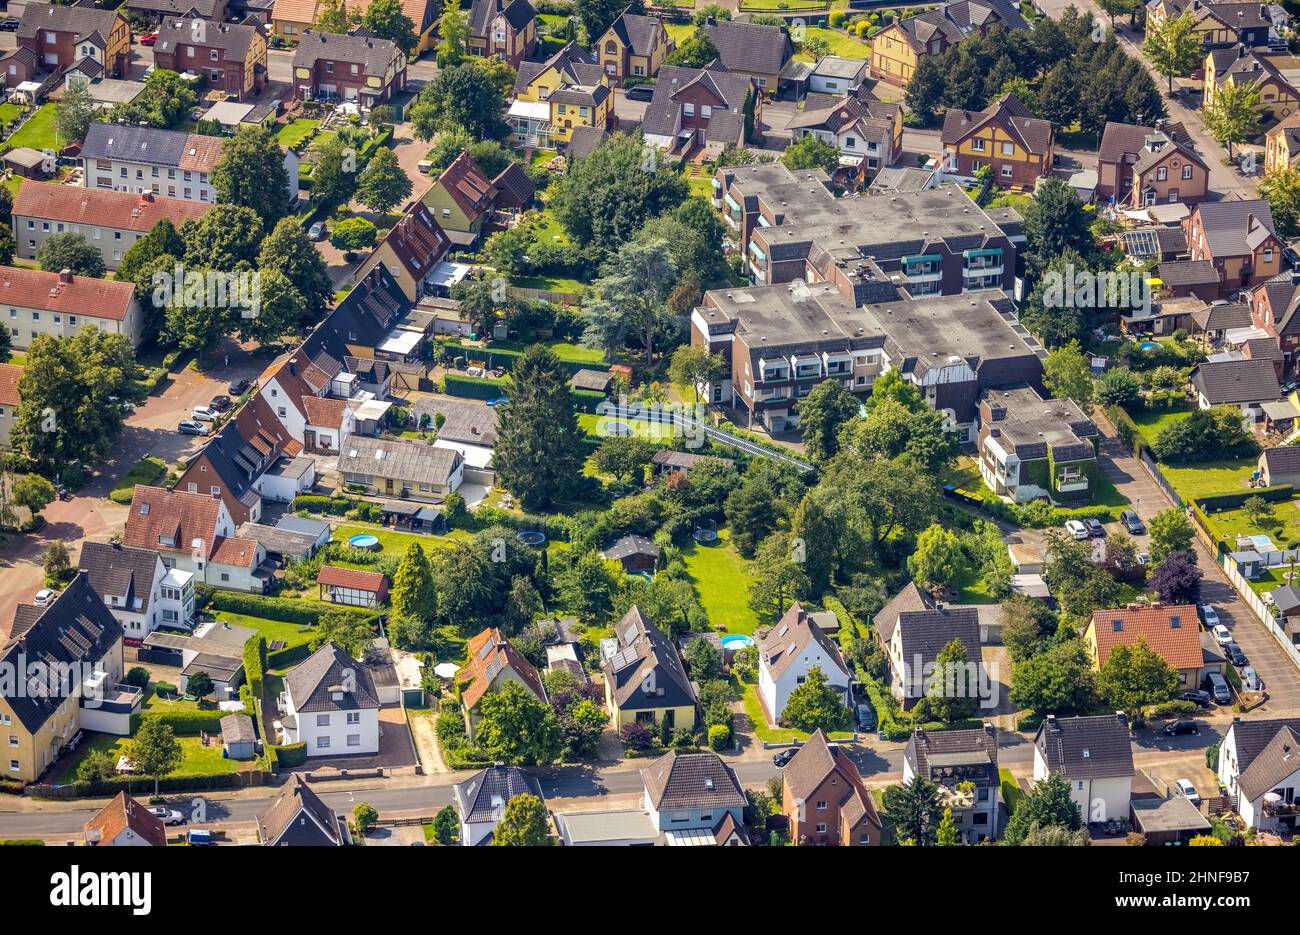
(293,634)
(1151,422)
(17,358)
(393,542)
(679,32)
(595,426)
(574,353)
(769,734)
(972,590)
(840,42)
(1210,477)
(291,134)
(1011,793)
(546,227)
(38,132)
(722,583)
(147,472)
(548,283)
(199,760)
(782,6)
(1283,527)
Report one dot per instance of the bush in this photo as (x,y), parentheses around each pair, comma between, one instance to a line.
(291,754)
(454,384)
(1205,435)
(1178,708)
(138,676)
(255,664)
(185,723)
(286,610)
(354,234)
(336,506)
(720,737)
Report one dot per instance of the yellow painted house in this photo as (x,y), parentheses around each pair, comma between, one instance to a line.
(897,48)
(645,679)
(568,90)
(289,18)
(1282,145)
(1276,77)
(1014,143)
(634,46)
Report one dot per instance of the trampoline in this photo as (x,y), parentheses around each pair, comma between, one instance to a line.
(531,537)
(364,541)
(615,427)
(706,532)
(499,401)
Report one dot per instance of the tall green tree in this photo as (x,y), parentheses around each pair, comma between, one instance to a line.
(386,20)
(74,113)
(1233,114)
(1057,681)
(1172,45)
(913,812)
(162,240)
(814,705)
(1282,189)
(1135,677)
(692,365)
(383,184)
(809,152)
(465,95)
(630,298)
(1055,222)
(332,16)
(938,561)
(1047,805)
(539,452)
(286,250)
(947,834)
(1067,374)
(154,750)
(523,824)
(71,252)
(454,30)
(953,692)
(516,728)
(413,594)
(1170,532)
(822,413)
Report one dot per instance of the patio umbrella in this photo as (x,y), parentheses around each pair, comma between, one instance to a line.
(446,670)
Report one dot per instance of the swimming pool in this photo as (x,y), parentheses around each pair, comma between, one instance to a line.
(736,641)
(1148,346)
(363,541)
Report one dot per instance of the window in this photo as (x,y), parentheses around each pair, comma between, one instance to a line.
(322,720)
(13,766)
(1008,149)
(821,828)
(212,54)
(977,146)
(1162,174)
(13,740)
(821,806)
(1187,171)
(322,743)
(688,109)
(354,717)
(354,740)
(1008,171)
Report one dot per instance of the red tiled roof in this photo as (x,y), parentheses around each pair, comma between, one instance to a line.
(76,205)
(324,411)
(336,577)
(465,182)
(82,295)
(201,152)
(418,241)
(240,553)
(1172,630)
(182,516)
(489,653)
(10,374)
(125,813)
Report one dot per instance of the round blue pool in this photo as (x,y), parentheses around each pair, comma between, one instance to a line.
(1148,346)
(363,541)
(736,641)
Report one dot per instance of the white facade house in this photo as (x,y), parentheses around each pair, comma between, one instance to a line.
(1259,766)
(1095,755)
(788,652)
(481,800)
(140,591)
(330,704)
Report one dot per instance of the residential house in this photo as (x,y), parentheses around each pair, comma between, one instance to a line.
(292,18)
(504,29)
(645,679)
(1030,447)
(964,764)
(1241,382)
(515,190)
(896,49)
(1272,311)
(683,462)
(10,374)
(116,157)
(1005,136)
(1095,755)
(153,11)
(1282,144)
(460,199)
(634,46)
(836,75)
(230,56)
(111,221)
(410,251)
(1275,77)
(1139,166)
(360,68)
(762,53)
(481,800)
(694,108)
(35,303)
(292,539)
(215,649)
(824,799)
(913,628)
(139,590)
(194,532)
(1170,630)
(71,652)
(583,141)
(297,817)
(235,464)
(634,553)
(788,651)
(491,662)
(330,704)
(1280,465)
(568,90)
(124,822)
(1223,23)
(1238,238)
(868,133)
(1258,766)
(61,36)
(351,586)
(401,467)
(689,795)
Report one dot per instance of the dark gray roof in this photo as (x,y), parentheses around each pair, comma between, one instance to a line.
(1187,273)
(960,754)
(729,91)
(1232,228)
(1283,460)
(120,571)
(466,421)
(281,541)
(1176,813)
(298,816)
(234,39)
(207,9)
(586,379)
(518,13)
(1252,736)
(638,32)
(73,630)
(217,667)
(691,780)
(685,459)
(629,546)
(1220,316)
(373,55)
(484,796)
(514,181)
(1086,747)
(328,668)
(83,21)
(1279,759)
(584,140)
(645,671)
(1237,381)
(747,47)
(1285,598)
(134,144)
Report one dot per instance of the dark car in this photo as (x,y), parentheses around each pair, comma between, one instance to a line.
(784,757)
(9,24)
(640,92)
(866,716)
(220,403)
(1132,522)
(1235,655)
(1184,726)
(1095,528)
(238,387)
(1199,697)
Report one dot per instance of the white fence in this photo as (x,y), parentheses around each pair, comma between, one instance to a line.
(1259,608)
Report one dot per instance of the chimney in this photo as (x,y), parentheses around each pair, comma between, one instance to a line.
(65,276)
(146,197)
(1122,718)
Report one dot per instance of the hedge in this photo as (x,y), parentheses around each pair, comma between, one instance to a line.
(286,610)
(185,723)
(290,755)
(336,506)
(1127,429)
(255,664)
(504,358)
(22,842)
(1233,501)
(474,387)
(283,658)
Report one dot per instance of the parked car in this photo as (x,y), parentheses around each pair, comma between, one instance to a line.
(1235,655)
(149,38)
(866,717)
(238,387)
(1199,697)
(168,816)
(640,92)
(1289,387)
(199,837)
(205,414)
(1250,680)
(1209,615)
(1095,528)
(1132,522)
(9,24)
(1144,558)
(1076,529)
(1182,726)
(1188,788)
(1219,688)
(783,757)
(190,427)
(1222,634)
(43,597)
(220,403)
(316,232)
